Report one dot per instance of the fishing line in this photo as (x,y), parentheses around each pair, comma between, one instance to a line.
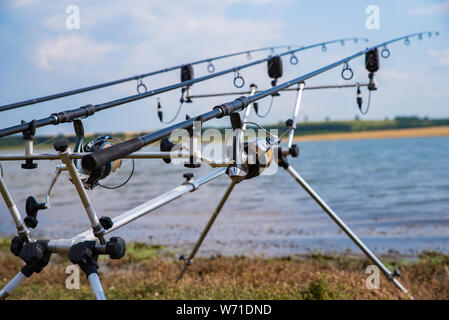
(127,179)
(256,108)
(160,114)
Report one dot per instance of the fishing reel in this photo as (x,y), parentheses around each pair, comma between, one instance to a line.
(92,178)
(256,155)
(250,157)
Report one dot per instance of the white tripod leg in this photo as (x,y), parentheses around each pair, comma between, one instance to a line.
(12,285)
(345,228)
(95,283)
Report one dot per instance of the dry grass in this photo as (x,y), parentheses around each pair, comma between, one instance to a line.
(378,134)
(144,274)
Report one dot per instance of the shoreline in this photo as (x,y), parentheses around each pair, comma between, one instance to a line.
(440,131)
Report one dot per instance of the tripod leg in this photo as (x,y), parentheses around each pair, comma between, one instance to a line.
(22,230)
(12,285)
(188,260)
(345,228)
(95,283)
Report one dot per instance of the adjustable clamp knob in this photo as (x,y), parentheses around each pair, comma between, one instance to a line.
(294,151)
(116,248)
(188,176)
(61,145)
(16,245)
(31,208)
(106,222)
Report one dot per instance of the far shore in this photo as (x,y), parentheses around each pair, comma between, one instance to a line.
(378,134)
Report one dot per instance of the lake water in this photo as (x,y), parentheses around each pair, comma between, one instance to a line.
(394,193)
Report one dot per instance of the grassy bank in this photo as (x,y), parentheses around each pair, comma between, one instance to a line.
(148,272)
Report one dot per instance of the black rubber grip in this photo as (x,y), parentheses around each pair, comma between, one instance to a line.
(99,158)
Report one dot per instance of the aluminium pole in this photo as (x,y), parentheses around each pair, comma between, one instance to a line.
(390,276)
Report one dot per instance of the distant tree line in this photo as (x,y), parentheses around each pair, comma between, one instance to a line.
(302,128)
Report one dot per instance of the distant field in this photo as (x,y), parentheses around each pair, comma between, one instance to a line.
(378,134)
(324,130)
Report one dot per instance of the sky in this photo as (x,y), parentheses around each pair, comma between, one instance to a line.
(116,39)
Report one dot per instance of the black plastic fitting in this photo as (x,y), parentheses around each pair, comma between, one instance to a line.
(31,208)
(116,248)
(83,254)
(188,176)
(70,115)
(16,245)
(230,107)
(166,146)
(35,255)
(106,222)
(294,151)
(61,145)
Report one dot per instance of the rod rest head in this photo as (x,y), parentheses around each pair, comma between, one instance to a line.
(28,134)
(31,208)
(83,254)
(35,254)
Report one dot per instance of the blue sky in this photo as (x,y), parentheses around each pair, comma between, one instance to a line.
(41,56)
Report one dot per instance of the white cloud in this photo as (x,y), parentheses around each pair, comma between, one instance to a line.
(441,55)
(22,3)
(71,49)
(392,74)
(436,8)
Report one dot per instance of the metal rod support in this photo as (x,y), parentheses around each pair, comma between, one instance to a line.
(95,283)
(62,246)
(206,230)
(291,133)
(94,222)
(12,285)
(344,227)
(22,230)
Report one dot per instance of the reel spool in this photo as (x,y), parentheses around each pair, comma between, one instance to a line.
(257,154)
(91,179)
(101,173)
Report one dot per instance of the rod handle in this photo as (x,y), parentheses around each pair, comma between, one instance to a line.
(99,158)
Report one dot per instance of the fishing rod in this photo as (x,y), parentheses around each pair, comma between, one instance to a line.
(186,76)
(104,156)
(140,86)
